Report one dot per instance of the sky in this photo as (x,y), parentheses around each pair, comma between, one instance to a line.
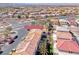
(39,1)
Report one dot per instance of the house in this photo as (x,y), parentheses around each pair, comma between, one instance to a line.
(63,22)
(67,43)
(30,44)
(33,27)
(55,21)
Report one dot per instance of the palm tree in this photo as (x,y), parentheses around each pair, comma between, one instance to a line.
(50,37)
(43,49)
(7,31)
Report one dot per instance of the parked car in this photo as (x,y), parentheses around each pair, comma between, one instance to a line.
(1,51)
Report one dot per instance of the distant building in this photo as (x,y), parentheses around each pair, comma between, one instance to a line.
(72,19)
(55,21)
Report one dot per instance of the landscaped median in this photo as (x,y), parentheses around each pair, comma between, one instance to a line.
(29,45)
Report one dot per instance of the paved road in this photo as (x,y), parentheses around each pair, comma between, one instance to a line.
(7,49)
(15,24)
(21,33)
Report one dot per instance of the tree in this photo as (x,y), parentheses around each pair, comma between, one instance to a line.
(50,45)
(7,31)
(19,16)
(9,28)
(33,22)
(50,37)
(43,49)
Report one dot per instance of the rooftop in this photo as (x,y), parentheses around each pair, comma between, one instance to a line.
(29,45)
(66,45)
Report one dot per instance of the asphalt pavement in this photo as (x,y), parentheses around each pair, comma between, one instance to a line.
(7,48)
(21,34)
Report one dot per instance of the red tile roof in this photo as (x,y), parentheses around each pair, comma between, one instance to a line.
(67,45)
(29,46)
(65,35)
(33,27)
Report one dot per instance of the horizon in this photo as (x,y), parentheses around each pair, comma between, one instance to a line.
(39,4)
